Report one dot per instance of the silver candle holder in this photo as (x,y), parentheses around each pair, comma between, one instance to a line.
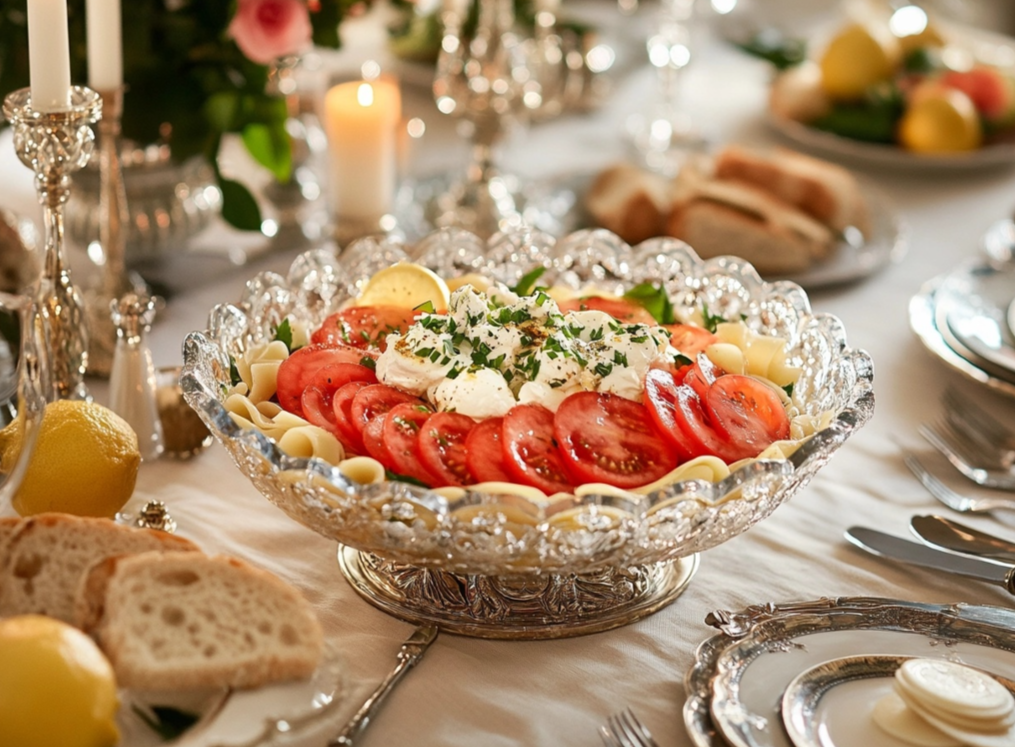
(54,145)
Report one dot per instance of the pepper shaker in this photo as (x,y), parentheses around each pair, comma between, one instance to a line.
(132,381)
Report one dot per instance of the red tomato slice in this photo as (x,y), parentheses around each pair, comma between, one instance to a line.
(373,439)
(484,454)
(607,438)
(301,370)
(530,451)
(341,406)
(364,326)
(442,448)
(701,375)
(690,339)
(400,433)
(374,400)
(747,412)
(317,409)
(620,309)
(677,411)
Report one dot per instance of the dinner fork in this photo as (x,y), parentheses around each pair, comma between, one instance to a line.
(980,426)
(623,729)
(956,502)
(964,457)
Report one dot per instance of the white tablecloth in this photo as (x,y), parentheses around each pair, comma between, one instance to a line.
(476,692)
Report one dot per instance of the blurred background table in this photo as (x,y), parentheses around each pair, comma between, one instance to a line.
(475,692)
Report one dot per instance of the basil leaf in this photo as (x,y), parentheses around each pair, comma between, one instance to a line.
(284,334)
(789,390)
(710,321)
(654,300)
(395,477)
(527,282)
(239,208)
(234,373)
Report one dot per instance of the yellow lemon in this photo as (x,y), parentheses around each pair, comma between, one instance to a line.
(407,285)
(56,686)
(85,461)
(940,120)
(856,58)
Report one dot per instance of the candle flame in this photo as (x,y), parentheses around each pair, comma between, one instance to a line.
(365,94)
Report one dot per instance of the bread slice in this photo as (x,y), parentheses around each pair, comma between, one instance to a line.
(50,552)
(629,201)
(825,191)
(184,620)
(8,526)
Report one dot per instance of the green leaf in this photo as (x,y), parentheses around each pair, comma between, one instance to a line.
(271,147)
(222,110)
(368,362)
(772,46)
(395,477)
(284,333)
(426,307)
(528,281)
(234,373)
(710,321)
(168,723)
(654,300)
(239,208)
(789,390)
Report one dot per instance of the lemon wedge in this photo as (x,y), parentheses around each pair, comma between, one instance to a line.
(406,285)
(940,120)
(859,56)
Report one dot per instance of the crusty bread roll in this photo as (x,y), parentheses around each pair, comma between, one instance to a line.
(629,201)
(47,555)
(183,620)
(825,191)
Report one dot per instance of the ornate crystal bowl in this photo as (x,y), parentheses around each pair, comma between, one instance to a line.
(505,535)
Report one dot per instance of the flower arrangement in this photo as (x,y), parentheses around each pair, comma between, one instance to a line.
(195,70)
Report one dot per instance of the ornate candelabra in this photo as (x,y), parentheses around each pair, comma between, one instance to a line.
(54,145)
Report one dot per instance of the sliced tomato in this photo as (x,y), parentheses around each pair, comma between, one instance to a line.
(620,309)
(703,372)
(341,406)
(317,409)
(374,400)
(694,427)
(748,413)
(304,368)
(442,448)
(364,326)
(402,426)
(484,453)
(530,451)
(690,339)
(373,440)
(607,438)
(677,412)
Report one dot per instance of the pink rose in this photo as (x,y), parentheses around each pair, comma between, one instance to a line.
(265,30)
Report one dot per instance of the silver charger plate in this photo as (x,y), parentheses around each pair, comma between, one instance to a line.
(830,705)
(735,686)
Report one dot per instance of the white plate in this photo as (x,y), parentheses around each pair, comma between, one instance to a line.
(238,718)
(736,684)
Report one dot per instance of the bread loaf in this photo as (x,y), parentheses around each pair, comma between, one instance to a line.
(184,620)
(48,554)
(629,201)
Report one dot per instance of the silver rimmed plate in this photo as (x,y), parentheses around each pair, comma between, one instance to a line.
(737,681)
(830,705)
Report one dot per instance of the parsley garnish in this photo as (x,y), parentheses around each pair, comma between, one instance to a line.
(369,362)
(788,389)
(654,300)
(234,374)
(284,334)
(682,360)
(710,321)
(528,281)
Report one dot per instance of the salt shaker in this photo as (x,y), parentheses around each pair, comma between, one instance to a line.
(132,381)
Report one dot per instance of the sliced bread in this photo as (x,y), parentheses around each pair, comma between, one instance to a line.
(184,620)
(49,553)
(629,201)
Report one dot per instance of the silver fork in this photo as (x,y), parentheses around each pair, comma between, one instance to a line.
(964,457)
(623,729)
(962,503)
(993,438)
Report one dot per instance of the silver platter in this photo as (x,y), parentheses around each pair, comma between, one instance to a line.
(525,607)
(736,684)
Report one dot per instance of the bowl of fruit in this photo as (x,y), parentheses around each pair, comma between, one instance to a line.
(901,90)
(496,430)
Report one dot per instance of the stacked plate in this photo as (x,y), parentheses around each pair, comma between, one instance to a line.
(967,318)
(809,674)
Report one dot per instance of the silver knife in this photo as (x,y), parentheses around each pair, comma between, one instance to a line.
(952,535)
(408,656)
(896,548)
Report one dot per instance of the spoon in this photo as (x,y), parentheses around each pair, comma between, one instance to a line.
(951,535)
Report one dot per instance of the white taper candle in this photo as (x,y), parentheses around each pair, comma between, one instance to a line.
(105,44)
(49,55)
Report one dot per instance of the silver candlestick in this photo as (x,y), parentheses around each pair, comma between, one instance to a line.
(54,145)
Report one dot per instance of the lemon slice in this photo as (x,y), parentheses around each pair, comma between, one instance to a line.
(407,285)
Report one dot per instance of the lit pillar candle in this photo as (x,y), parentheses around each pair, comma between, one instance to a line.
(361,118)
(49,55)
(105,45)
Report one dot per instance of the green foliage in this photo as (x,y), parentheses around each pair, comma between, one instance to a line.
(781,51)
(186,81)
(655,301)
(872,119)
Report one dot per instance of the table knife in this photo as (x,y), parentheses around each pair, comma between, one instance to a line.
(408,656)
(952,535)
(896,548)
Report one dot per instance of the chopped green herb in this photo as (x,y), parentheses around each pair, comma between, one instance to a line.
(527,281)
(424,352)
(596,334)
(369,362)
(234,374)
(654,300)
(788,389)
(619,358)
(711,321)
(604,369)
(682,360)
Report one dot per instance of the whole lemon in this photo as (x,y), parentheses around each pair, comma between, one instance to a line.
(940,120)
(856,58)
(85,461)
(56,686)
